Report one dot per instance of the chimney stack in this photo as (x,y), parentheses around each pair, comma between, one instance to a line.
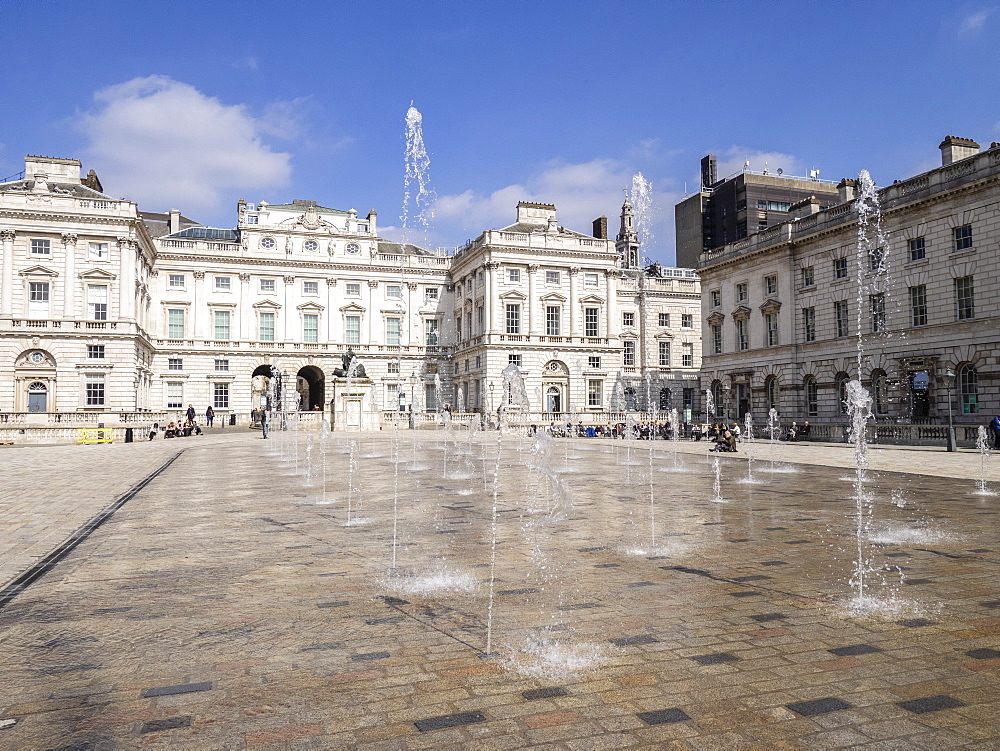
(845,189)
(601,228)
(175,221)
(805,207)
(954,148)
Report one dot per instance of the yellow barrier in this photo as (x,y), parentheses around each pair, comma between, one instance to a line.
(95,435)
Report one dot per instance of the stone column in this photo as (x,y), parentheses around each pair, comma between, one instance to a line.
(490,267)
(286,310)
(7,273)
(573,319)
(69,275)
(411,319)
(532,318)
(126,276)
(372,313)
(199,315)
(243,314)
(611,275)
(331,313)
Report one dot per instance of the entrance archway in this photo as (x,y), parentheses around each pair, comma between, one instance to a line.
(553,399)
(310,383)
(38,394)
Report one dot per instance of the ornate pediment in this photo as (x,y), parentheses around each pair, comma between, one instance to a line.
(310,307)
(593,299)
(769,306)
(267,305)
(97,274)
(512,295)
(553,297)
(741,313)
(312,221)
(38,271)
(716,319)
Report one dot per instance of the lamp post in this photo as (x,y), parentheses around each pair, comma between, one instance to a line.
(413,386)
(949,374)
(726,388)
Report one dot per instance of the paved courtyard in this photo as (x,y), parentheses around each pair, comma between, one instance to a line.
(370,591)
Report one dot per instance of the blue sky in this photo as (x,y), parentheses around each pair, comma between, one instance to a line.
(193,105)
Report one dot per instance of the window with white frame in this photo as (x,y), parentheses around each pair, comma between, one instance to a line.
(628,318)
(267,286)
(590,280)
(963,237)
(742,292)
(41,247)
(594,362)
(98,251)
(223,284)
(592,322)
(175,363)
(628,353)
(175,395)
(175,281)
(687,354)
(392,331)
(687,320)
(392,367)
(479,362)
(514,360)
(663,319)
(95,351)
(808,276)
(310,288)
(809,323)
(431,293)
(393,291)
(841,317)
(480,319)
(392,396)
(742,335)
(594,393)
(175,323)
(310,328)
(220,396)
(552,277)
(352,289)
(222,366)
(431,326)
(664,354)
(771,329)
(716,340)
(771,285)
(514,275)
(512,313)
(716,297)
(221,320)
(265,326)
(876,304)
(553,320)
(38,299)
(352,329)
(965,298)
(97,302)
(94,390)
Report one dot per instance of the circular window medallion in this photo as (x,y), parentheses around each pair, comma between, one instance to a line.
(353,248)
(311,245)
(553,366)
(268,242)
(36,357)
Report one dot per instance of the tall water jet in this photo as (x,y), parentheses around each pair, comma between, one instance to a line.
(859,406)
(751,445)
(717,482)
(642,206)
(709,405)
(983,444)
(418,197)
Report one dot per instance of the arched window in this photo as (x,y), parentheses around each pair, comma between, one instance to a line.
(968,387)
(664,399)
(880,392)
(771,392)
(812,397)
(717,398)
(842,381)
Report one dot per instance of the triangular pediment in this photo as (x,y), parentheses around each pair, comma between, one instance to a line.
(97,274)
(267,305)
(553,297)
(594,299)
(311,306)
(741,313)
(352,308)
(38,271)
(512,295)
(716,318)
(770,305)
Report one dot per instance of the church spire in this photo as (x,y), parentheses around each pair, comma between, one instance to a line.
(627,242)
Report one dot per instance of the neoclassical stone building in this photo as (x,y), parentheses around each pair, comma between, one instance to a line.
(108,312)
(781,309)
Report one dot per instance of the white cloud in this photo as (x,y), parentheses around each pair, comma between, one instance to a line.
(974,21)
(733,159)
(165,144)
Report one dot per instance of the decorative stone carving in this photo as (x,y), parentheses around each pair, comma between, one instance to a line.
(532,268)
(411,286)
(244,277)
(199,275)
(372,283)
(311,220)
(574,270)
(742,313)
(123,242)
(288,244)
(7,235)
(770,306)
(289,279)
(491,265)
(331,282)
(69,238)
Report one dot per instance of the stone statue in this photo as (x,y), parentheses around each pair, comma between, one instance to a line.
(347,364)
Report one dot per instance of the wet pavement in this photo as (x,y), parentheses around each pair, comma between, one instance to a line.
(231,601)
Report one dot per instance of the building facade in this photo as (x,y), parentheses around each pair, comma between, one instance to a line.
(785,310)
(107,310)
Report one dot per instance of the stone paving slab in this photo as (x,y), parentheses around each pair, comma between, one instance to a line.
(227,605)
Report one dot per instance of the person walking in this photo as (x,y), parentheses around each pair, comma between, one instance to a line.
(995,429)
(209,416)
(190,412)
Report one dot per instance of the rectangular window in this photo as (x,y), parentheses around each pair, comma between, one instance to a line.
(393,367)
(918,249)
(963,237)
(430,397)
(552,277)
(38,299)
(513,318)
(595,397)
(392,331)
(220,396)
(771,329)
(466,364)
(479,362)
(352,329)
(688,398)
(742,335)
(664,354)
(918,305)
(431,293)
(742,292)
(176,281)
(687,355)
(267,285)
(95,351)
(310,288)
(481,319)
(771,285)
(876,260)
(222,366)
(223,284)
(97,302)
(175,324)
(175,396)
(221,328)
(628,358)
(514,275)
(352,289)
(393,292)
(716,297)
(393,396)
(590,280)
(480,279)
(458,327)
(431,326)
(41,248)
(552,320)
(594,362)
(514,360)
(876,304)
(663,319)
(808,277)
(310,327)
(266,327)
(175,363)
(95,390)
(965,298)
(841,317)
(99,251)
(687,321)
(717,340)
(840,268)
(809,323)
(628,319)
(468,322)
(591,322)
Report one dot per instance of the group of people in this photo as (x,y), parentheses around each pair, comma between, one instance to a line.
(183,428)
